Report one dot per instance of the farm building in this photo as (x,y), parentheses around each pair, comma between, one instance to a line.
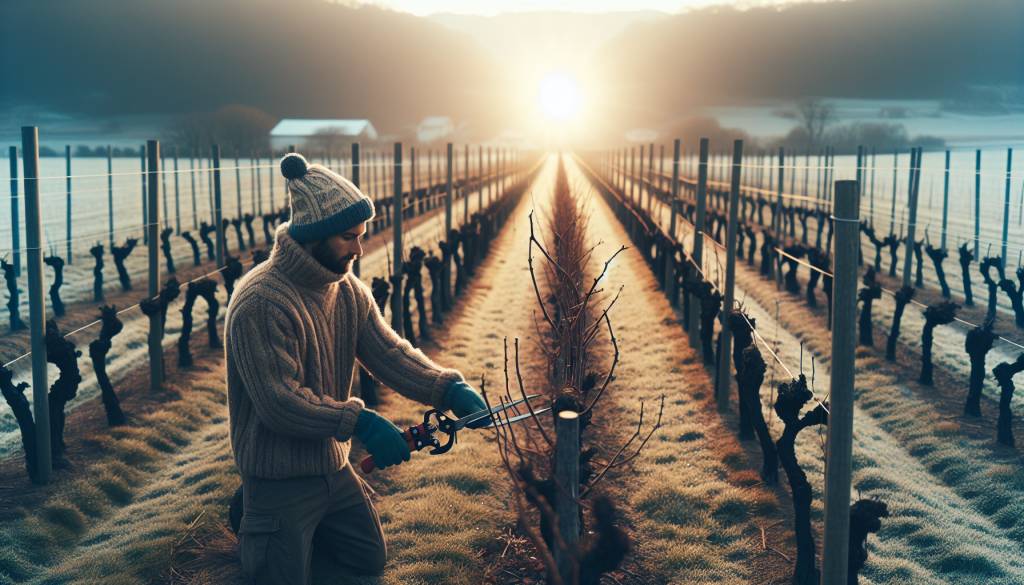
(320,133)
(434,128)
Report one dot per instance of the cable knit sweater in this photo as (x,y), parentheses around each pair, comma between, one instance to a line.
(294,330)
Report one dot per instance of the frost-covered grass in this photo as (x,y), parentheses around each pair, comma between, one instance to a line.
(954,501)
(696,500)
(444,515)
(122,519)
(116,520)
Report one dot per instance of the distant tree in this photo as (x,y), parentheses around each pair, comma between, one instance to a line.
(845,138)
(127,152)
(86,151)
(328,141)
(814,117)
(235,127)
(709,127)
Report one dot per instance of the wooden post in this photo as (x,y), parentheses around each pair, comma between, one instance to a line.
(356,179)
(287,194)
(633,174)
(259,186)
(480,184)
(871,189)
(621,170)
(777,214)
(110,194)
(567,490)
(465,182)
(670,265)
(698,236)
(839,455)
(806,192)
(661,170)
(156,330)
(163,191)
(217,212)
(860,164)
(895,172)
(639,179)
(821,174)
(414,205)
(370,190)
(908,256)
(209,188)
(270,178)
(725,337)
(192,173)
(238,187)
(446,272)
(622,157)
(142,180)
(15,223)
(396,261)
(252,181)
(1006,205)
(945,203)
(830,170)
(627,166)
(177,195)
(977,203)
(67,207)
(36,302)
(429,195)
(650,176)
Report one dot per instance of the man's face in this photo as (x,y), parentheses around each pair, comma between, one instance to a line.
(337,252)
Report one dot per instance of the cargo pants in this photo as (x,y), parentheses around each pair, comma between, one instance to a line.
(286,521)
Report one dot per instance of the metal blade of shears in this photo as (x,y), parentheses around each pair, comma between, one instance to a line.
(516,418)
(469,418)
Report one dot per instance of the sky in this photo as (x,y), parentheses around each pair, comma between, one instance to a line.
(492,7)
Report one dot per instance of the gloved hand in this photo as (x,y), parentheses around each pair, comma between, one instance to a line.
(463,400)
(382,439)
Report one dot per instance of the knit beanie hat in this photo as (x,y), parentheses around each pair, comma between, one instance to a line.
(323,203)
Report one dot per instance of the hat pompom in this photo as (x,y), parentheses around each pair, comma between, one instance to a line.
(294,166)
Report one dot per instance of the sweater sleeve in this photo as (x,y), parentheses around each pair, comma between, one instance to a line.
(263,344)
(395,362)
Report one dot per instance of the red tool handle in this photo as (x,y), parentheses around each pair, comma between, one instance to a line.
(368,464)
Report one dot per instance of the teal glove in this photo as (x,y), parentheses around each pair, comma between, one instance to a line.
(382,438)
(463,400)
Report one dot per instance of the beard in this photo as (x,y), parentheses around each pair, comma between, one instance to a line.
(322,253)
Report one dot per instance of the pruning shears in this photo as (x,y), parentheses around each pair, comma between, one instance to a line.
(423,435)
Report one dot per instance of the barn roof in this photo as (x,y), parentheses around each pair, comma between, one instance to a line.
(312,127)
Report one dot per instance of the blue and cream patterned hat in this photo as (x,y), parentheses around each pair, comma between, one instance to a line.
(323,203)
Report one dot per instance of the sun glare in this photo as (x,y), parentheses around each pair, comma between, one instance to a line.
(559,97)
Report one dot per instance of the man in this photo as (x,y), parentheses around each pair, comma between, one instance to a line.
(295,327)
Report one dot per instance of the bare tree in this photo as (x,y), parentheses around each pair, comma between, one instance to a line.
(814,116)
(329,141)
(235,127)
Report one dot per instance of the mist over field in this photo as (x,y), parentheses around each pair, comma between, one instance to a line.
(121,67)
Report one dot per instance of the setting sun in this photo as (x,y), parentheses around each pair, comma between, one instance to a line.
(559,97)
